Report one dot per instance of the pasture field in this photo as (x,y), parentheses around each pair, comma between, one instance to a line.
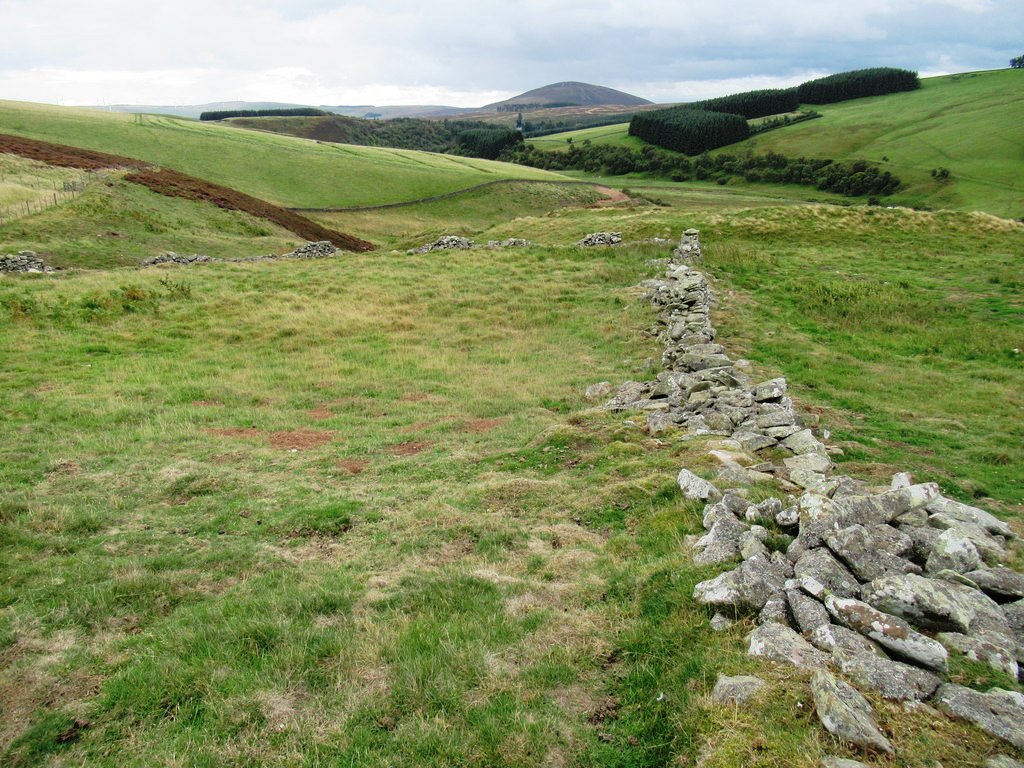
(283,170)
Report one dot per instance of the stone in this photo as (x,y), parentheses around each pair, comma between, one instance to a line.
(777,642)
(923,539)
(444,243)
(891,632)
(752,545)
(601,238)
(866,555)
(953,551)
(846,714)
(694,487)
(810,462)
(803,442)
(720,622)
(998,652)
(736,690)
(936,605)
(809,481)
(885,507)
(660,422)
(746,588)
(753,442)
(764,512)
(1001,584)
(819,517)
(892,679)
(599,391)
(968,514)
(775,611)
(773,390)
(808,613)
(999,713)
(901,480)
(1002,761)
(832,638)
(841,762)
(821,565)
(722,542)
(990,548)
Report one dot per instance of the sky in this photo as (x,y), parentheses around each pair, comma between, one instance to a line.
(472,52)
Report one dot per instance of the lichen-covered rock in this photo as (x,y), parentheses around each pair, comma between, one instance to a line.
(822,566)
(746,588)
(953,551)
(808,613)
(989,547)
(775,611)
(736,690)
(694,487)
(599,391)
(999,583)
(999,713)
(967,514)
(998,651)
(846,714)
(892,679)
(832,638)
(777,642)
(935,604)
(867,554)
(892,633)
(722,542)
(885,507)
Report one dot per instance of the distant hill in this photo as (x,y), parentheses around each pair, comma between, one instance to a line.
(567,94)
(358,110)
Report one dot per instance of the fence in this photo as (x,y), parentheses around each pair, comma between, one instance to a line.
(61,192)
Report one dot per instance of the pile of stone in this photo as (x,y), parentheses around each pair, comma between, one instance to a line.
(601,238)
(512,242)
(703,391)
(320,249)
(23,261)
(872,585)
(877,585)
(445,243)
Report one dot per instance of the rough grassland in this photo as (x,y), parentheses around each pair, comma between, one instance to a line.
(351,511)
(280,169)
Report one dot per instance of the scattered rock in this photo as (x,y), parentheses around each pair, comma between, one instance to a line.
(953,551)
(892,679)
(746,588)
(694,487)
(601,238)
(777,642)
(444,243)
(599,391)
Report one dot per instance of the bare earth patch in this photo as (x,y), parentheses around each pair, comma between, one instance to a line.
(320,414)
(234,431)
(300,439)
(477,426)
(207,403)
(408,449)
(353,466)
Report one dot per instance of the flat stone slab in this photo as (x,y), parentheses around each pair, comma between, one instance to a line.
(777,642)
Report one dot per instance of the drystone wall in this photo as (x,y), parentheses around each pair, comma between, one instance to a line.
(23,261)
(865,588)
(321,249)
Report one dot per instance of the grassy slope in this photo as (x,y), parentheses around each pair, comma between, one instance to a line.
(967,123)
(280,169)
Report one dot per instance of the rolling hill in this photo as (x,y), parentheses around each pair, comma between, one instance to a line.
(283,170)
(967,123)
(567,94)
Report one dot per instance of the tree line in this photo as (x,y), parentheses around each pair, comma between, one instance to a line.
(712,123)
(853,179)
(224,114)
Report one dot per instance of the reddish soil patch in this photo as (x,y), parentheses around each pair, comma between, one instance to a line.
(300,439)
(320,414)
(483,425)
(612,196)
(174,184)
(234,431)
(408,449)
(207,403)
(353,466)
(421,425)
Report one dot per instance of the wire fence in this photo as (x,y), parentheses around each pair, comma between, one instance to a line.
(61,192)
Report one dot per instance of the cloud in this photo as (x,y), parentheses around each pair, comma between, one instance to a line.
(468,53)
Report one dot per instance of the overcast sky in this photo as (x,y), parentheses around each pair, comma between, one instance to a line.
(471,52)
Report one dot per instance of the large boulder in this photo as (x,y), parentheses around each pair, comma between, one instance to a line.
(999,713)
(953,551)
(967,514)
(1001,584)
(722,541)
(822,566)
(885,507)
(846,714)
(895,681)
(833,638)
(736,690)
(694,487)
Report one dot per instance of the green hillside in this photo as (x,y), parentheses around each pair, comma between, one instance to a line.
(280,169)
(968,123)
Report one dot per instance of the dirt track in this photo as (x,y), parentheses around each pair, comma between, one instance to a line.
(174,184)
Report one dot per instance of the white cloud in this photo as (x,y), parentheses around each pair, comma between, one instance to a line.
(468,53)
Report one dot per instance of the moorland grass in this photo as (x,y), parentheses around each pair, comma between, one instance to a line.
(281,169)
